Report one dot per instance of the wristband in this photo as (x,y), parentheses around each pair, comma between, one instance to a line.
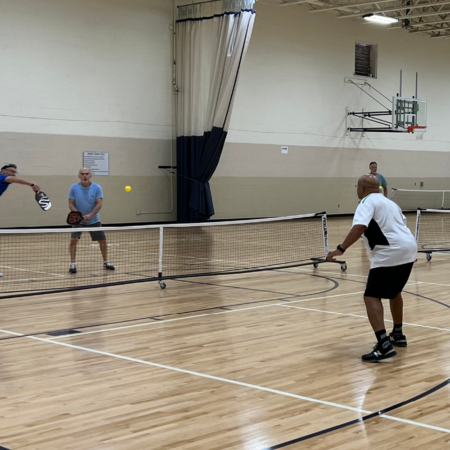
(31,184)
(340,248)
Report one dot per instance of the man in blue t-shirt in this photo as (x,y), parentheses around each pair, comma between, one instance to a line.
(87,197)
(373,166)
(8,175)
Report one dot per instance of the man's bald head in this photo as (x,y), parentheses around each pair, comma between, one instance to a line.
(367,184)
(85,176)
(369,181)
(84,170)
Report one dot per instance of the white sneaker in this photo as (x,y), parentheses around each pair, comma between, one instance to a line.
(108,266)
(1,274)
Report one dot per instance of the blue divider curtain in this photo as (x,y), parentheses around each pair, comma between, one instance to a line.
(211,43)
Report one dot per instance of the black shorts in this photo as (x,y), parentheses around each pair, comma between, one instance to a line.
(95,235)
(387,282)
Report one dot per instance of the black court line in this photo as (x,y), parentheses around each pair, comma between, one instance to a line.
(20,304)
(336,284)
(160,317)
(361,419)
(369,416)
(407,292)
(31,292)
(428,298)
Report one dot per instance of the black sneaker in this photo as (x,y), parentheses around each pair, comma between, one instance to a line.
(73,268)
(108,266)
(380,352)
(398,339)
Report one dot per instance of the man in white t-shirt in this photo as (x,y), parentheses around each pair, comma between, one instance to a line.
(392,250)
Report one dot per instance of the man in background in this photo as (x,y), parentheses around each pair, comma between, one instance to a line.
(87,197)
(382,183)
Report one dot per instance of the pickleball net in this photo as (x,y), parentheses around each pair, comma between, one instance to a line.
(433,231)
(38,260)
(411,199)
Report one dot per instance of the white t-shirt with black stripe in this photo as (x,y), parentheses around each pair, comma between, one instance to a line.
(387,238)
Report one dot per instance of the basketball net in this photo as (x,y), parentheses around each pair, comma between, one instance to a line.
(418,131)
(419,135)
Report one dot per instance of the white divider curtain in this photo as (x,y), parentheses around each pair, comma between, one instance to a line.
(211,43)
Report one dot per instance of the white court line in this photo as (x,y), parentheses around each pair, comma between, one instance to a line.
(29,270)
(198,374)
(351,275)
(243,309)
(199,315)
(320,298)
(322,311)
(436,284)
(227,380)
(156,322)
(411,422)
(285,305)
(333,273)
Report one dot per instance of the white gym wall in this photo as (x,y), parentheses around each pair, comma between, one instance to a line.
(96,75)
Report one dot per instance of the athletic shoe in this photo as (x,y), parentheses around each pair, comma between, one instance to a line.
(398,339)
(1,274)
(380,352)
(108,266)
(73,268)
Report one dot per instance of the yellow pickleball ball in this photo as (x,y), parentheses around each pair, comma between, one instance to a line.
(381,187)
(128,188)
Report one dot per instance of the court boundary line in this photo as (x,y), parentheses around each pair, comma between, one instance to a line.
(406,292)
(235,382)
(287,297)
(379,413)
(284,304)
(202,315)
(355,315)
(362,419)
(158,320)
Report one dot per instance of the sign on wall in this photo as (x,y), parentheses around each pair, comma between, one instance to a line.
(98,162)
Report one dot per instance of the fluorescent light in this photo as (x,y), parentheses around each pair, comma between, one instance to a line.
(379,19)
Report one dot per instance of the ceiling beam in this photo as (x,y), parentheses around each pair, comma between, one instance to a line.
(398,8)
(353,5)
(425,14)
(295,2)
(433,22)
(428,30)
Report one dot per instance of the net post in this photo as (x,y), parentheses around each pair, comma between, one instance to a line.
(325,233)
(160,256)
(418,225)
(443,196)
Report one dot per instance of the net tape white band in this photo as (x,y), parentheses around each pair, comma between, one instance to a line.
(418,190)
(143,227)
(444,211)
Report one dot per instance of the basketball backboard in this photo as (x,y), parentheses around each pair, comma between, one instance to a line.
(408,112)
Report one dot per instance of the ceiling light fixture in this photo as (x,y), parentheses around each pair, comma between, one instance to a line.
(379,19)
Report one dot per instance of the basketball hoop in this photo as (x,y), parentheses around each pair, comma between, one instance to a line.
(418,131)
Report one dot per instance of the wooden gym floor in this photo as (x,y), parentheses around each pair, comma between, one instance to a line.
(251,362)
